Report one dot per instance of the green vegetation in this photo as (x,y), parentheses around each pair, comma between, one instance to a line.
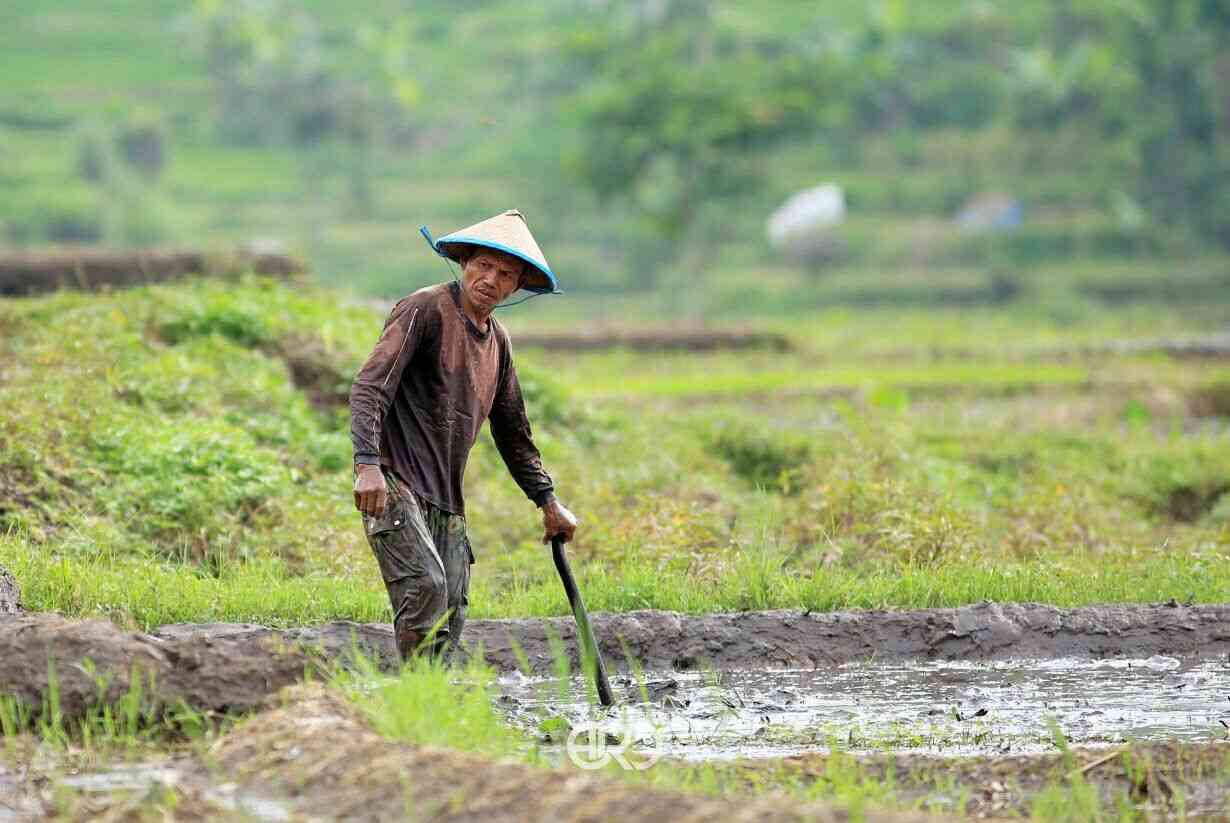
(132,722)
(648,144)
(429,704)
(180,453)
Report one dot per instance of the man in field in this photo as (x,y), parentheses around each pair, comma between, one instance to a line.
(442,366)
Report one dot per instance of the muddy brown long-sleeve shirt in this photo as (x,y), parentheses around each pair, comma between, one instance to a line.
(419,401)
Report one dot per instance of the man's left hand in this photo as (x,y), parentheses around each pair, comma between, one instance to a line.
(557,521)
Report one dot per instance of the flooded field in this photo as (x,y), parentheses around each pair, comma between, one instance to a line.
(981,710)
(949,707)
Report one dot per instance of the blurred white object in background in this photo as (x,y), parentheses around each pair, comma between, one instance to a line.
(993,211)
(804,227)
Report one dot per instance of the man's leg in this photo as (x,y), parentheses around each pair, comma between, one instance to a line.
(457,566)
(412,570)
(449,534)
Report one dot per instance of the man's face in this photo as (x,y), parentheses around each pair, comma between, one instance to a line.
(489,277)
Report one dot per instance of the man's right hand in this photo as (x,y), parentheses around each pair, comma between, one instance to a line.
(371,493)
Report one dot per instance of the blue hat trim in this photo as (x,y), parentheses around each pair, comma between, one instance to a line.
(474,241)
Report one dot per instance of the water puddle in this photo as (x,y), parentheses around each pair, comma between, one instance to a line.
(949,708)
(21,801)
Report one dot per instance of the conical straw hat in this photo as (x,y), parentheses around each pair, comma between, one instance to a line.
(509,233)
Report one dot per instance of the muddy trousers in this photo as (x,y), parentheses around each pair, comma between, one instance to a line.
(424,556)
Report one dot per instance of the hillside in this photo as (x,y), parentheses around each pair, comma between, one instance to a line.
(501,129)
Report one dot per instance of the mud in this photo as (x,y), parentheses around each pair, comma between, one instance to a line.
(949,707)
(230,667)
(10,593)
(314,757)
(42,783)
(88,269)
(319,754)
(95,662)
(691,340)
(1149,778)
(798,639)
(660,640)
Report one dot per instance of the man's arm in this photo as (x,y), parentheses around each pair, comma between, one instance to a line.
(510,427)
(370,396)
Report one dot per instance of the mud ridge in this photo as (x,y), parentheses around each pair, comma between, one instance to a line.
(690,340)
(94,662)
(91,268)
(231,667)
(791,638)
(313,757)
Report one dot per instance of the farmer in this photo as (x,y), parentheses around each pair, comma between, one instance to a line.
(442,366)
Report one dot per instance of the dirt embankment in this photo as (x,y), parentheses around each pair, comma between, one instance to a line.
(791,638)
(1143,776)
(320,754)
(92,268)
(690,340)
(787,638)
(208,674)
(312,757)
(231,667)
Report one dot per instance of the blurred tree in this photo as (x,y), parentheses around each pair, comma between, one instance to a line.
(1153,75)
(673,110)
(278,79)
(931,70)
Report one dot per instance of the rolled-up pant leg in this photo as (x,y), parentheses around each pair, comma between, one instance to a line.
(424,559)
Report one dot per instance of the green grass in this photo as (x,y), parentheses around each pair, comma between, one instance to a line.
(429,704)
(975,378)
(147,593)
(160,464)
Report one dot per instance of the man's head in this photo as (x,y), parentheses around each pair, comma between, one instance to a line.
(489,277)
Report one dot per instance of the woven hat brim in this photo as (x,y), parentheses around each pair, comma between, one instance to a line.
(539,279)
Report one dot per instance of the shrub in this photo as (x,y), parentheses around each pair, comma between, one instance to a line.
(768,461)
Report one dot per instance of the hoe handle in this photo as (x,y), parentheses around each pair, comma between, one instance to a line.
(589,646)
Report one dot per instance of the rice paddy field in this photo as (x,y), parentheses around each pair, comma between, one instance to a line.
(179,454)
(935,528)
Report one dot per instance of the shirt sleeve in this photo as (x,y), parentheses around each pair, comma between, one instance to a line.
(378,379)
(510,428)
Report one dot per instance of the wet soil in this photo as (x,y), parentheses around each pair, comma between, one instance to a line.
(659,640)
(95,662)
(231,667)
(10,593)
(691,340)
(93,268)
(1157,779)
(950,708)
(797,639)
(313,757)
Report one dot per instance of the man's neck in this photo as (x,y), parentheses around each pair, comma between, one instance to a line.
(478,319)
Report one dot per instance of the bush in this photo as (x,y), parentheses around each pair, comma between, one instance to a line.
(66,215)
(769,462)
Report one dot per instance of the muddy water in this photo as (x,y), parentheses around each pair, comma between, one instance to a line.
(25,797)
(949,708)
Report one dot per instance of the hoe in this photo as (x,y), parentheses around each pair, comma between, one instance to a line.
(589,646)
